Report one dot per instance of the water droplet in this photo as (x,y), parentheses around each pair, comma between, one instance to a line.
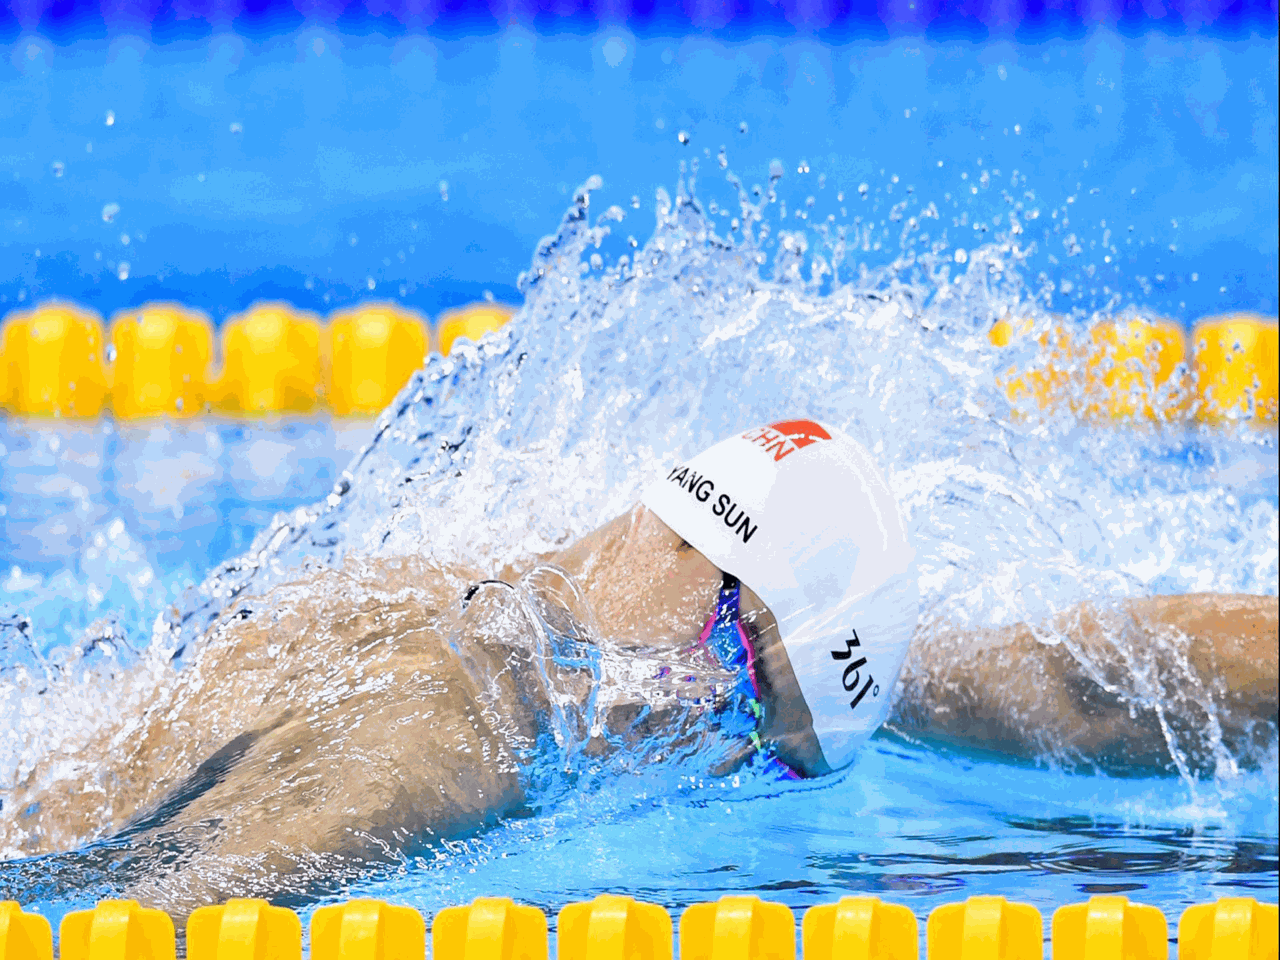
(775,169)
(742,127)
(109,212)
(683,137)
(200,177)
(631,241)
(237,127)
(803,167)
(370,282)
(722,158)
(614,51)
(111,118)
(404,290)
(596,261)
(962,256)
(635,202)
(58,168)
(444,189)
(122,271)
(488,296)
(1017,129)
(1002,72)
(124,239)
(88,147)
(862,189)
(353,240)
(111,353)
(177,404)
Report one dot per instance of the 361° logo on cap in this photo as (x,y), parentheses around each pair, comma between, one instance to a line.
(786,436)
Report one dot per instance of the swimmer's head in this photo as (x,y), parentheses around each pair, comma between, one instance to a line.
(802,516)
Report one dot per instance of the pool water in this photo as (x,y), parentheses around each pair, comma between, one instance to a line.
(732,307)
(613,373)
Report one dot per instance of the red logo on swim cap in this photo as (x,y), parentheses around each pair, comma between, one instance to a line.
(786,436)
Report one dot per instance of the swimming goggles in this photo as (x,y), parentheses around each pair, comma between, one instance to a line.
(728,642)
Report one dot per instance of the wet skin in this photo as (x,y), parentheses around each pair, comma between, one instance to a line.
(364,712)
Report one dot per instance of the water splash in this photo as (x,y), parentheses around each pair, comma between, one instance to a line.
(526,441)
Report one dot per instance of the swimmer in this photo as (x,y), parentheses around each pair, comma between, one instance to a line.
(756,608)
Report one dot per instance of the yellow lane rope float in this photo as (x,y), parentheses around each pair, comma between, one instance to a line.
(272,362)
(276,359)
(472,322)
(1139,369)
(613,927)
(374,349)
(158,361)
(1236,372)
(51,362)
(166,360)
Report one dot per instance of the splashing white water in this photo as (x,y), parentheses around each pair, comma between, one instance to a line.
(552,426)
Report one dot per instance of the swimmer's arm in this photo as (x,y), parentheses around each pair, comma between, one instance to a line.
(1205,659)
(372,743)
(301,812)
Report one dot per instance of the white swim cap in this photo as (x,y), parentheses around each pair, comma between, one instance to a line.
(802,515)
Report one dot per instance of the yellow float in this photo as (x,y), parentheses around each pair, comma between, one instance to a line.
(472,322)
(159,362)
(1235,368)
(366,930)
(272,361)
(614,926)
(860,926)
(490,927)
(244,930)
(989,927)
(374,349)
(51,362)
(1110,926)
(738,926)
(1136,371)
(1047,385)
(117,930)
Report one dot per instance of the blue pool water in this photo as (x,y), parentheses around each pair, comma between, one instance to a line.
(613,374)
(325,166)
(867,308)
